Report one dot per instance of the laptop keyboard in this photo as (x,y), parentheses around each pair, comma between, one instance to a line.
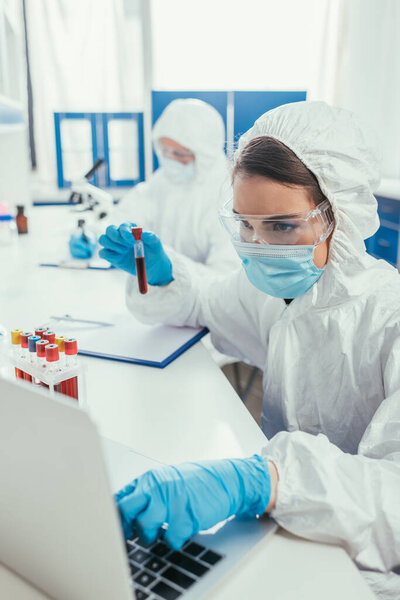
(160,573)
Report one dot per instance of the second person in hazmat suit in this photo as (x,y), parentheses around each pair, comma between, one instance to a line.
(322,319)
(179,202)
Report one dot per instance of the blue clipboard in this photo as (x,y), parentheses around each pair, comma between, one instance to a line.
(149,363)
(125,339)
(78,267)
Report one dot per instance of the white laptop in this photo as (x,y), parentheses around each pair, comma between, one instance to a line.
(59,525)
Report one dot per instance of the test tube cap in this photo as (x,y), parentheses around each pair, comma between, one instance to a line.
(41,348)
(16,336)
(60,339)
(24,338)
(40,331)
(137,233)
(71,346)
(32,339)
(51,352)
(50,336)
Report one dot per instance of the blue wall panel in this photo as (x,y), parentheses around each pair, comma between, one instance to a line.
(251,105)
(385,242)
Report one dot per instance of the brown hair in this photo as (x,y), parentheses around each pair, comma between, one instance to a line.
(270,158)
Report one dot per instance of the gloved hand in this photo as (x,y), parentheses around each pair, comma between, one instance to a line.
(118,250)
(192,497)
(82,244)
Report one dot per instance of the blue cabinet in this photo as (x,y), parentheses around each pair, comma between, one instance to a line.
(389,210)
(385,243)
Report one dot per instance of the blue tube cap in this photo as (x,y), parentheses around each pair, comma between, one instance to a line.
(32,339)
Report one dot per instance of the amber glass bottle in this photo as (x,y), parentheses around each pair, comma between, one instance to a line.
(21,220)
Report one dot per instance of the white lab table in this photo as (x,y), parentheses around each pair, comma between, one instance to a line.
(187,411)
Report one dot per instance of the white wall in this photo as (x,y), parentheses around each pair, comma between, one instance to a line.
(360,69)
(12,51)
(14,156)
(233,45)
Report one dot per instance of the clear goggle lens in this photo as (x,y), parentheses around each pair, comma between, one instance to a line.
(173,153)
(306,229)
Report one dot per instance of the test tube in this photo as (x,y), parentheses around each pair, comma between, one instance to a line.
(32,339)
(71,360)
(60,340)
(41,357)
(41,352)
(25,350)
(53,362)
(40,331)
(50,336)
(16,349)
(139,260)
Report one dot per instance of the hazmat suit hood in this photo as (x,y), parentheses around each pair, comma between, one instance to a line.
(342,156)
(197,126)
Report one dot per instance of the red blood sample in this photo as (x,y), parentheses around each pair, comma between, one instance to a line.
(24,344)
(50,336)
(41,356)
(141,274)
(71,351)
(139,260)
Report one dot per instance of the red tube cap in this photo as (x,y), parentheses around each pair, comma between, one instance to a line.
(41,348)
(24,339)
(51,352)
(137,233)
(50,336)
(71,346)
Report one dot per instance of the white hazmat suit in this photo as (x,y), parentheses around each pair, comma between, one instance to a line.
(331,359)
(185,215)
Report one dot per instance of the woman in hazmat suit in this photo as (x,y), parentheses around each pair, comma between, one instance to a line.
(322,318)
(180,200)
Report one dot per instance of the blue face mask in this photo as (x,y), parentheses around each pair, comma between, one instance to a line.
(177,172)
(280,271)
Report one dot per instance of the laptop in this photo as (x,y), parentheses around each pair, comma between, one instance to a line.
(59,524)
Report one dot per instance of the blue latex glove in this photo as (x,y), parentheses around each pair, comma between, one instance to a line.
(82,245)
(192,497)
(118,250)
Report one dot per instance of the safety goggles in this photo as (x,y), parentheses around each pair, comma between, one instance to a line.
(305,228)
(173,153)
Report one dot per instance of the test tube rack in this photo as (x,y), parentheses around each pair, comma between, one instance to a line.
(52,380)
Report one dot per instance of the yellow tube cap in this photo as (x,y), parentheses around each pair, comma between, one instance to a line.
(60,342)
(16,336)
